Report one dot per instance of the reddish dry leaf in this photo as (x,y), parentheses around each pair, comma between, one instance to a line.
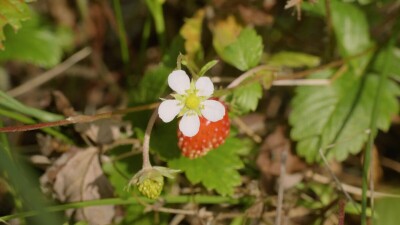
(77,176)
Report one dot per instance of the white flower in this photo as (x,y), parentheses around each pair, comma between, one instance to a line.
(190,102)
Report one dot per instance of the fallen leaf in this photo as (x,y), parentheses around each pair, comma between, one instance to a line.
(105,131)
(77,176)
(252,15)
(269,159)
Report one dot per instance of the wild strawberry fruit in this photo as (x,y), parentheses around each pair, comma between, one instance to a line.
(210,136)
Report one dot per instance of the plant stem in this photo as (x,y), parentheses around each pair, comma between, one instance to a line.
(155,7)
(79,119)
(373,125)
(146,140)
(28,120)
(121,31)
(200,199)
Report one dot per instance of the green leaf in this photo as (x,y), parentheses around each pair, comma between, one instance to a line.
(217,170)
(245,98)
(338,116)
(245,52)
(151,87)
(293,59)
(391,62)
(351,30)
(164,141)
(11,103)
(12,12)
(32,44)
(207,67)
(387,211)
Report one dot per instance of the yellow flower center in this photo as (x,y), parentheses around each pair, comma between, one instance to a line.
(192,101)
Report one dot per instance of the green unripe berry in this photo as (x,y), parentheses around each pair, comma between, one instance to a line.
(151,187)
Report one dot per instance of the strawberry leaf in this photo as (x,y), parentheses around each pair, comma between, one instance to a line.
(12,12)
(32,44)
(217,170)
(351,30)
(245,98)
(335,118)
(245,52)
(389,57)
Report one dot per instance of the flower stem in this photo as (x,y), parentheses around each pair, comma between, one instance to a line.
(146,141)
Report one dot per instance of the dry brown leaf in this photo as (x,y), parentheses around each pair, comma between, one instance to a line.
(252,15)
(77,176)
(269,159)
(104,131)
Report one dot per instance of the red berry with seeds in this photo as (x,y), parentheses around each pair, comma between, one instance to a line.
(210,136)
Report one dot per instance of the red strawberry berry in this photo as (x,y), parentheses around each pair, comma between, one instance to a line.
(210,136)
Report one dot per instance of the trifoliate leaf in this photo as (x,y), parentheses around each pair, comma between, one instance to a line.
(335,118)
(12,12)
(245,98)
(351,30)
(293,59)
(217,170)
(32,44)
(245,52)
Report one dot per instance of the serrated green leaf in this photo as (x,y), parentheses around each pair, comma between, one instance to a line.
(245,98)
(351,30)
(391,61)
(32,44)
(12,12)
(293,59)
(217,170)
(338,115)
(245,52)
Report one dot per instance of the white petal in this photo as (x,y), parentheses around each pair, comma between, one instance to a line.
(168,109)
(213,110)
(189,125)
(179,81)
(205,86)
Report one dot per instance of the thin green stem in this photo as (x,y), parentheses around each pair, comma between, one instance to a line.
(121,31)
(144,42)
(373,126)
(4,142)
(200,199)
(156,10)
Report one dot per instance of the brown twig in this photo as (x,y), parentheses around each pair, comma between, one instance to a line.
(281,189)
(78,119)
(48,75)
